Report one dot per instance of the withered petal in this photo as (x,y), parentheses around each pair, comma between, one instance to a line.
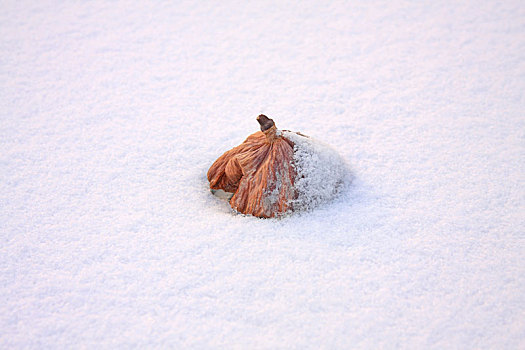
(261,174)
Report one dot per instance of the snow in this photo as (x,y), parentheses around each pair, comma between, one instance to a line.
(112,112)
(321,173)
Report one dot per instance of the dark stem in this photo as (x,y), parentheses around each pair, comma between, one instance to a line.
(265,122)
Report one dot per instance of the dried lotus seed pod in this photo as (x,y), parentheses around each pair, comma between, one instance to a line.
(274,172)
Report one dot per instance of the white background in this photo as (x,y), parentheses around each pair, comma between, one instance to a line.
(112,112)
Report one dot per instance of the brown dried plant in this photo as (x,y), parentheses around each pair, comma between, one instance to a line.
(259,173)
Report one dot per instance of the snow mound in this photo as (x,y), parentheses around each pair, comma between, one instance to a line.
(321,171)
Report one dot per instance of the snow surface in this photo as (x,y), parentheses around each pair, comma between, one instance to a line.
(321,173)
(111,113)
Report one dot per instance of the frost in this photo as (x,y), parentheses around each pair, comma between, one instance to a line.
(321,171)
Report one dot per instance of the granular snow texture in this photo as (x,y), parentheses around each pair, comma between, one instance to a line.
(321,173)
(111,113)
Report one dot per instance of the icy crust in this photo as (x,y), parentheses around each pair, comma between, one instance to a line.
(321,171)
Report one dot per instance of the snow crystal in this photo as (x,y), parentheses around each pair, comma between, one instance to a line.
(321,172)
